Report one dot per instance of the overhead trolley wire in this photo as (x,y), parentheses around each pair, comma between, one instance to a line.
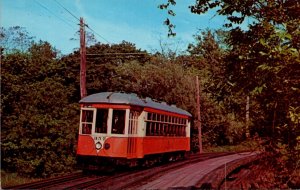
(44,7)
(95,33)
(102,54)
(79,21)
(98,34)
(67,10)
(73,15)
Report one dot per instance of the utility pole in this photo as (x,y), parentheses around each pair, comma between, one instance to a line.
(247,117)
(199,116)
(82,60)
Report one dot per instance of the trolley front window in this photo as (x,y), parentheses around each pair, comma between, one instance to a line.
(101,121)
(87,121)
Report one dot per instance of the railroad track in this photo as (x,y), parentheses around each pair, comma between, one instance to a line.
(133,179)
(120,180)
(218,177)
(197,175)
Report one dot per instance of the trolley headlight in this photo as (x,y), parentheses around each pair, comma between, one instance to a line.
(98,145)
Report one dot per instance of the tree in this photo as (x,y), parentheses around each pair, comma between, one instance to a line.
(263,62)
(15,38)
(211,57)
(210,50)
(89,37)
(39,122)
(102,59)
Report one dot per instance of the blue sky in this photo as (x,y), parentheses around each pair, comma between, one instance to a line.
(136,21)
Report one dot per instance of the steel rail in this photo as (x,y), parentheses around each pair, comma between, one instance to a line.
(133,178)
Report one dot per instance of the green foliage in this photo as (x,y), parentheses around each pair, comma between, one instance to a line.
(263,62)
(178,87)
(294,115)
(177,82)
(38,124)
(219,124)
(40,91)
(102,59)
(39,104)
(210,56)
(170,12)
(14,39)
(247,146)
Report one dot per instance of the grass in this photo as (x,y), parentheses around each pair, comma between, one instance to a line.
(12,179)
(246,146)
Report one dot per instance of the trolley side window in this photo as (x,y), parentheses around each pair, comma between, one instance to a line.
(87,121)
(101,121)
(118,122)
(165,125)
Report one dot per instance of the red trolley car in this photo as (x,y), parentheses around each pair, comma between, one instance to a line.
(122,128)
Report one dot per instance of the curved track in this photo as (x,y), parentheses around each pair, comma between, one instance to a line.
(160,176)
(206,174)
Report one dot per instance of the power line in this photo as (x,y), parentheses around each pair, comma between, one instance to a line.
(102,54)
(79,21)
(67,10)
(44,7)
(97,34)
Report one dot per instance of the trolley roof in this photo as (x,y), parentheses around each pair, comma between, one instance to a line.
(130,99)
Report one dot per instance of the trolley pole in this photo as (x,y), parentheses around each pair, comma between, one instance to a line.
(199,116)
(83,92)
